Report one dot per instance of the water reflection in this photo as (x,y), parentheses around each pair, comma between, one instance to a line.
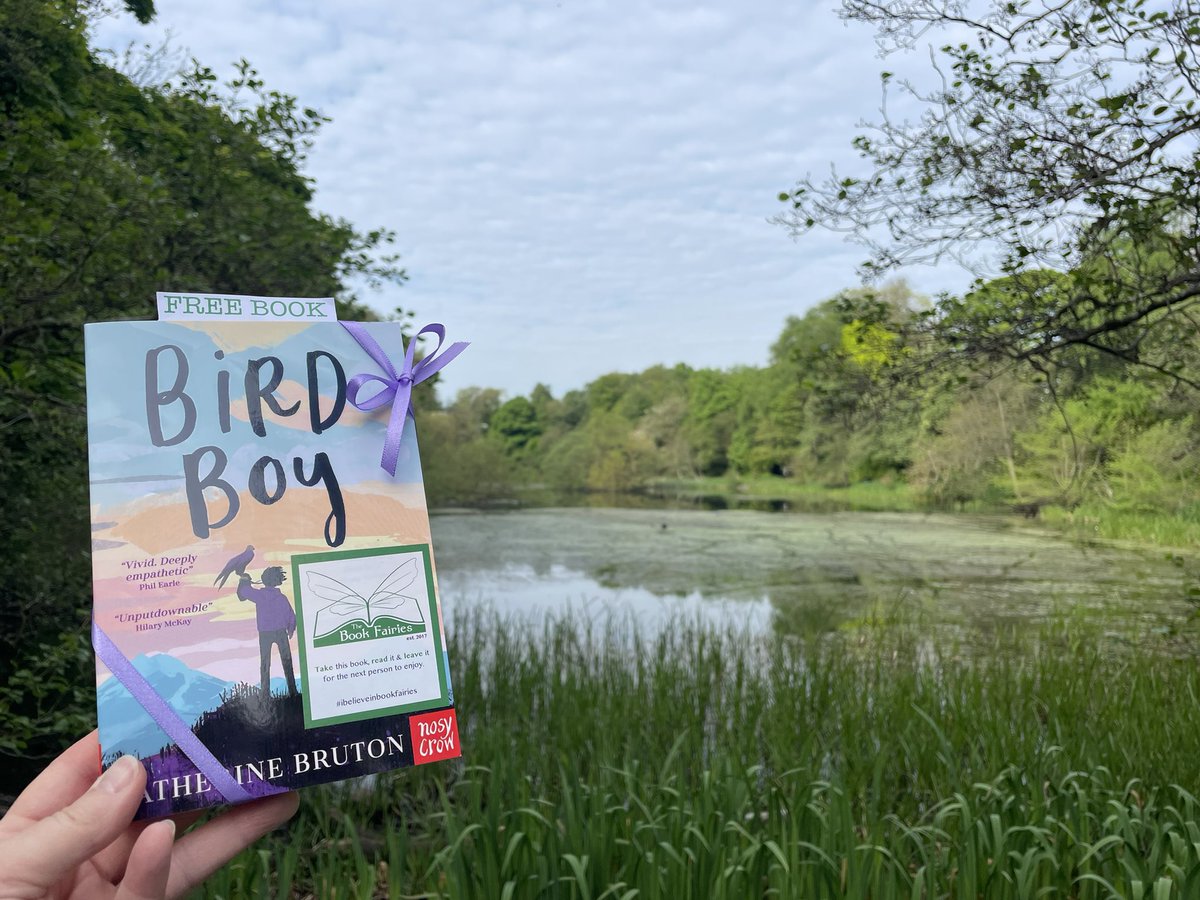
(530,593)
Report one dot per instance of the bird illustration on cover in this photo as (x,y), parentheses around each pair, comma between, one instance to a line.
(237,564)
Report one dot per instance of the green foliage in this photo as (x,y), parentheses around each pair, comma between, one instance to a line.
(848,398)
(853,395)
(968,449)
(663,427)
(515,425)
(110,191)
(769,420)
(1068,453)
(817,412)
(1064,135)
(458,470)
(1103,520)
(1157,469)
(710,420)
(461,463)
(704,763)
(44,702)
(606,454)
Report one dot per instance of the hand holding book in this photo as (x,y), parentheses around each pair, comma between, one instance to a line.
(71,835)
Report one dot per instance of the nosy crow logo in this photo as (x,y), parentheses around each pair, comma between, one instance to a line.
(434,736)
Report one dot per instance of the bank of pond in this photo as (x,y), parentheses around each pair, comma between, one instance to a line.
(1089,520)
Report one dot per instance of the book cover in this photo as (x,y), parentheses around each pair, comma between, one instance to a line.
(266,611)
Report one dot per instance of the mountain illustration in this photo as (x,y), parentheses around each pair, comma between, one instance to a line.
(127,728)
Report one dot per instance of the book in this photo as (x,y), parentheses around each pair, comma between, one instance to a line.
(266,610)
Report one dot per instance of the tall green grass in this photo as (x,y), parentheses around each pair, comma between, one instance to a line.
(697,763)
(1100,521)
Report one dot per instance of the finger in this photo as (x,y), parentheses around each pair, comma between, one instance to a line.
(62,782)
(149,864)
(200,853)
(111,861)
(185,820)
(64,839)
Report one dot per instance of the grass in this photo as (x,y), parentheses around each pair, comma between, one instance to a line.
(1099,521)
(697,764)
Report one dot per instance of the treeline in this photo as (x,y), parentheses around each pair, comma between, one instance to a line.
(856,390)
(1075,389)
(112,188)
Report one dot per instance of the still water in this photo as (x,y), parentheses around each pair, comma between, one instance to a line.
(797,571)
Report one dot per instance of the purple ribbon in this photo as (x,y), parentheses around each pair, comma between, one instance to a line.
(396,384)
(167,719)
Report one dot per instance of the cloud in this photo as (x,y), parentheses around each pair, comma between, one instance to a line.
(576,187)
(216,645)
(289,393)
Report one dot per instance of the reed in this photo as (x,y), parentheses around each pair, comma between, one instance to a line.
(700,763)
(1095,520)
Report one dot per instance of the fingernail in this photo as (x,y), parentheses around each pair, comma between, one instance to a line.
(118,775)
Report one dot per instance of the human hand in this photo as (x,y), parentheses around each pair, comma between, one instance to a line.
(69,835)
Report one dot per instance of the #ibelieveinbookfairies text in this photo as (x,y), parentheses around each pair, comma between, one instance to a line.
(266,611)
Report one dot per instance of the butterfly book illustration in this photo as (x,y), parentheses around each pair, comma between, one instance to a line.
(266,613)
(383,611)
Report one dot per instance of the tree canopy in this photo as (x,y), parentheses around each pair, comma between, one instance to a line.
(110,190)
(1060,135)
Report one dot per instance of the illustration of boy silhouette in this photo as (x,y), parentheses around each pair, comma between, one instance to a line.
(276,623)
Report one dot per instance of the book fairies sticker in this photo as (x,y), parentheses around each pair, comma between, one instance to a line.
(370,640)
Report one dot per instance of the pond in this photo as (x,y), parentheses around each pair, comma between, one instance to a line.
(799,571)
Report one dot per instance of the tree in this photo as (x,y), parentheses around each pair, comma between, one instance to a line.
(472,411)
(515,425)
(711,419)
(110,190)
(847,421)
(968,451)
(1062,132)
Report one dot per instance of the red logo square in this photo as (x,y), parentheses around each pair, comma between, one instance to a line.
(434,736)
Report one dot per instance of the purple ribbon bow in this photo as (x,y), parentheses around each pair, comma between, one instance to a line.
(396,384)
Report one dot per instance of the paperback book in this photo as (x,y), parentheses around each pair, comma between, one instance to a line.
(266,610)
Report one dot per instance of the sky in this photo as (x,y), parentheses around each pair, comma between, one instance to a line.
(577,186)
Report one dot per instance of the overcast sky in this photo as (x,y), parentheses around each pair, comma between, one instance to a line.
(577,187)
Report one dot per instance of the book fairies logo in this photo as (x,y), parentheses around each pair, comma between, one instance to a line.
(370,639)
(359,609)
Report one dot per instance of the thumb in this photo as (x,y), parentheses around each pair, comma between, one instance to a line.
(60,842)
